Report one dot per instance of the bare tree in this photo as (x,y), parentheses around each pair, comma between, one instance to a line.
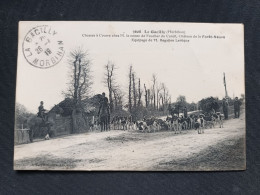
(154,81)
(79,86)
(139,93)
(134,90)
(164,96)
(110,83)
(146,98)
(150,97)
(158,90)
(130,89)
(170,98)
(118,97)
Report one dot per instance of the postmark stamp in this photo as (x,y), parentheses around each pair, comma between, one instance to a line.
(42,47)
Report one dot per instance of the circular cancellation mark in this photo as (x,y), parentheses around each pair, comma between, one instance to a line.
(42,47)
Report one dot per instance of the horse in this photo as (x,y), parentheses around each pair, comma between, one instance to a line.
(39,127)
(104,114)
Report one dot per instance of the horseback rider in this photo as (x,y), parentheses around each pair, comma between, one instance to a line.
(44,123)
(104,113)
(41,111)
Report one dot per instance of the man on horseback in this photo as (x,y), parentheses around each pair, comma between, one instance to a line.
(41,112)
(40,123)
(104,113)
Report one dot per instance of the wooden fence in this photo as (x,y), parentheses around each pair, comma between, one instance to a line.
(22,136)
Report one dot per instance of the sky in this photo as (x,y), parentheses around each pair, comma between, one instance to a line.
(194,69)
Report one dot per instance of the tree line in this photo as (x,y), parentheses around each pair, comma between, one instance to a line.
(141,99)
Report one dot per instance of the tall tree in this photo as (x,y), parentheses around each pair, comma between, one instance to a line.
(139,93)
(181,102)
(154,81)
(150,97)
(158,90)
(79,86)
(130,90)
(146,96)
(164,96)
(110,82)
(21,115)
(134,90)
(118,97)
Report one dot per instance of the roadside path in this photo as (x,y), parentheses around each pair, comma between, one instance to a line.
(122,150)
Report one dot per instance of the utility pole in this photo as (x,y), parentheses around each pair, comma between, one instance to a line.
(225,85)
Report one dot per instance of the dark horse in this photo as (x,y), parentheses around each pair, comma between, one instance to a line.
(103,113)
(39,127)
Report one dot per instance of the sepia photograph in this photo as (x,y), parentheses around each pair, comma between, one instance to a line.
(130,96)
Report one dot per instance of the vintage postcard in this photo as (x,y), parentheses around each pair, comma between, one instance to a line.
(131,96)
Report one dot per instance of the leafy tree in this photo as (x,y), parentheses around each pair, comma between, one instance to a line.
(21,115)
(181,102)
(208,104)
(192,106)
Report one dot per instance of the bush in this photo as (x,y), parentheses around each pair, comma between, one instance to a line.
(208,104)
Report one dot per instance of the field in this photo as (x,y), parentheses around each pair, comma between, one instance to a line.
(216,149)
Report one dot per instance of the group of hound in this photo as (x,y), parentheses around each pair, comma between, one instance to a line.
(199,122)
(173,123)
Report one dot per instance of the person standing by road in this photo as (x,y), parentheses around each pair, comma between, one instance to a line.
(225,108)
(185,112)
(237,105)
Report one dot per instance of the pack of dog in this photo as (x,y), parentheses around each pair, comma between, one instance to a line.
(151,125)
(208,121)
(178,124)
(173,123)
(119,123)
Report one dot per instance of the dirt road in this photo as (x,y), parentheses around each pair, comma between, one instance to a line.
(216,149)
